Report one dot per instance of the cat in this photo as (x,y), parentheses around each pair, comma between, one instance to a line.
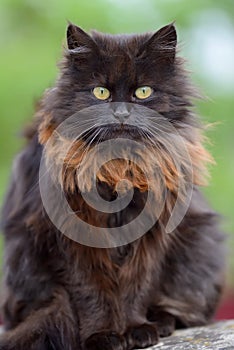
(62,294)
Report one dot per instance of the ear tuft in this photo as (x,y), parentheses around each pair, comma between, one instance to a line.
(162,44)
(166,37)
(77,38)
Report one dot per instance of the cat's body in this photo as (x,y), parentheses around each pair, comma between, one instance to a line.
(60,294)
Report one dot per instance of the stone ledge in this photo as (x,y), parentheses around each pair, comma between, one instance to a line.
(218,336)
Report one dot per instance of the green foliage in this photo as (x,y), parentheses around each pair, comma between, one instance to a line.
(32,33)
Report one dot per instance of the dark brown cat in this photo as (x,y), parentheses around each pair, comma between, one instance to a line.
(61,294)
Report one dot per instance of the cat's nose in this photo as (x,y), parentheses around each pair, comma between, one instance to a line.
(121,112)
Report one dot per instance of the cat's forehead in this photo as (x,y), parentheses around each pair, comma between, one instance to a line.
(129,44)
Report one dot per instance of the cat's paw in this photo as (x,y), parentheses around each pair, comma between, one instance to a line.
(165,329)
(106,340)
(141,337)
(164,321)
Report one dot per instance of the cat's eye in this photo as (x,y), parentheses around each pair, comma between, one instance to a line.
(143,92)
(101,93)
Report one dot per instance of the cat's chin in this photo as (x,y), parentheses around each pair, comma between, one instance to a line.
(113,131)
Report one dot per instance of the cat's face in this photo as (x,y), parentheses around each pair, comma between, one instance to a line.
(122,64)
(132,69)
(137,70)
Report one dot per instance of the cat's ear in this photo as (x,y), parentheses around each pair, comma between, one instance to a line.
(78,39)
(166,38)
(162,44)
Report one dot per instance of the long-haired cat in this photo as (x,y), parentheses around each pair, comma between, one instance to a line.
(64,295)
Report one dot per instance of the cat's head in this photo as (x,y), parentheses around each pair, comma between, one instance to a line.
(137,69)
(126,86)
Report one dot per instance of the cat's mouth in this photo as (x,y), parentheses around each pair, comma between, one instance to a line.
(113,131)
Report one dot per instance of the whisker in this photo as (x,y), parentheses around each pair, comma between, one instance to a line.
(86,145)
(145,134)
(89,144)
(154,140)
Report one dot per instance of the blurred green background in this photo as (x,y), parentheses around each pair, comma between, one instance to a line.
(32,35)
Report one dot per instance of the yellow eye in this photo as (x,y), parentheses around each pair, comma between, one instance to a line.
(101,93)
(143,92)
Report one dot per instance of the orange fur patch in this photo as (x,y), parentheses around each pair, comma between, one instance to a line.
(46,129)
(156,162)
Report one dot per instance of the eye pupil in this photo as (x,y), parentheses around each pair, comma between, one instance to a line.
(101,93)
(143,92)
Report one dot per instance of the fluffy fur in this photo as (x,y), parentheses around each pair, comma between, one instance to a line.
(60,294)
